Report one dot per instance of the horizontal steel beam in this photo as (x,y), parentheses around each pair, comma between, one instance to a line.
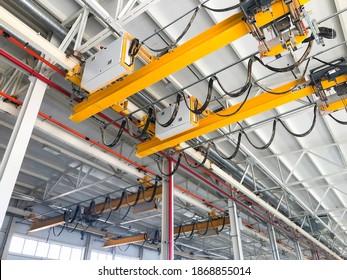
(203,44)
(59,220)
(256,105)
(13,24)
(198,227)
(252,107)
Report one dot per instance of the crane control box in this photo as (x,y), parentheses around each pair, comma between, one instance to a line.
(108,65)
(184,120)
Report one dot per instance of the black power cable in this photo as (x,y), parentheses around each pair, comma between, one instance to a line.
(146,126)
(166,49)
(221,9)
(292,88)
(337,120)
(174,113)
(136,198)
(154,192)
(268,143)
(197,165)
(308,131)
(68,217)
(174,169)
(60,232)
(119,203)
(240,106)
(118,137)
(247,84)
(134,48)
(198,111)
(191,233)
(330,64)
(290,67)
(235,152)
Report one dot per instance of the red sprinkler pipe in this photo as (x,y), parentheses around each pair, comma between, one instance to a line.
(31,52)
(170,216)
(32,72)
(65,92)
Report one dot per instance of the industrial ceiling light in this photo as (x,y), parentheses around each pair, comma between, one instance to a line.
(51,150)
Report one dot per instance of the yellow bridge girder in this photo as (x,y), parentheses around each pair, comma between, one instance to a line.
(203,44)
(252,107)
(197,227)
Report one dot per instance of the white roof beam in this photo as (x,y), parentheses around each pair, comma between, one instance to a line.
(35,40)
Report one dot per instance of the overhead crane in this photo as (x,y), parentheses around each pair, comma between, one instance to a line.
(266,101)
(252,20)
(285,17)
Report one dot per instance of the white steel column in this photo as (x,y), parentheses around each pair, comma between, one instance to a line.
(235,230)
(7,240)
(16,148)
(167,225)
(273,243)
(298,251)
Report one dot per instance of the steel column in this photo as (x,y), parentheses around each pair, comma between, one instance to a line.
(167,226)
(235,230)
(273,242)
(88,248)
(16,148)
(8,237)
(298,251)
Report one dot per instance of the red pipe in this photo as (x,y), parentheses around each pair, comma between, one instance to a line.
(170,216)
(31,52)
(32,72)
(60,89)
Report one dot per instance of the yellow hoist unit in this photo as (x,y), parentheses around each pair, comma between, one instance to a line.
(282,33)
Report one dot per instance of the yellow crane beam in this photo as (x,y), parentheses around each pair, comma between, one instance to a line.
(252,107)
(203,44)
(198,227)
(59,220)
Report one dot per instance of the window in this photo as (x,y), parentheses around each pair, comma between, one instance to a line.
(16,245)
(54,251)
(100,256)
(44,250)
(29,247)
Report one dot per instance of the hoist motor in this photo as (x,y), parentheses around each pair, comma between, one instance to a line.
(285,32)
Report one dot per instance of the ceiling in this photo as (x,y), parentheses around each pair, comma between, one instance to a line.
(303,178)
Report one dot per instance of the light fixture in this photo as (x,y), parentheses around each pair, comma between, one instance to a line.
(51,150)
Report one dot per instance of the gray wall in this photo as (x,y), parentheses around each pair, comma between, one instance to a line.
(73,238)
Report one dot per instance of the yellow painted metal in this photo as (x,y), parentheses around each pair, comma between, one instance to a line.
(196,48)
(275,50)
(75,75)
(207,42)
(151,128)
(334,106)
(124,241)
(52,222)
(145,55)
(329,84)
(339,104)
(121,107)
(212,224)
(252,107)
(277,10)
